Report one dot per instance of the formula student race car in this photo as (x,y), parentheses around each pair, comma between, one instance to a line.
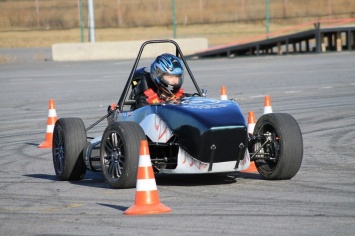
(198,135)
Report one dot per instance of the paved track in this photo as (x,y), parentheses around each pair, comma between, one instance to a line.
(318,90)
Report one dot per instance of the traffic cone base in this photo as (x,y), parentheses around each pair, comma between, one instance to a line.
(147,209)
(251,169)
(46,144)
(52,118)
(147,199)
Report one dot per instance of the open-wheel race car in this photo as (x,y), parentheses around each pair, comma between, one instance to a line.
(195,135)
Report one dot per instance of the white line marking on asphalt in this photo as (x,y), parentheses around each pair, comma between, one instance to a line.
(257,96)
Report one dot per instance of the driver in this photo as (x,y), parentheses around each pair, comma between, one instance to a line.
(163,84)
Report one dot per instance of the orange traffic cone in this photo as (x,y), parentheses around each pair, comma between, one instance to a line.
(52,118)
(251,122)
(147,198)
(267,105)
(251,126)
(224,93)
(251,168)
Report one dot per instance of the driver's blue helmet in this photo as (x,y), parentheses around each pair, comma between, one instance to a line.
(167,64)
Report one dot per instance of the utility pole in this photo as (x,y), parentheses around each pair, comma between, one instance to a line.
(37,13)
(267,18)
(91,21)
(174,17)
(81,20)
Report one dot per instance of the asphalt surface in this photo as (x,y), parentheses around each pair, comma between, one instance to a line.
(318,90)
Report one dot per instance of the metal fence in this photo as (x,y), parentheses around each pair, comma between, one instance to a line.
(42,23)
(66,14)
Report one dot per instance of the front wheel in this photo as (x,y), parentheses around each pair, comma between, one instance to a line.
(283,152)
(119,153)
(69,141)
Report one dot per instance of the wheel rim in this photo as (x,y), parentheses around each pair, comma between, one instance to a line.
(114,156)
(59,156)
(273,147)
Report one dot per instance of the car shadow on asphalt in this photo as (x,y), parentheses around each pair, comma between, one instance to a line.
(42,176)
(91,179)
(96,179)
(205,179)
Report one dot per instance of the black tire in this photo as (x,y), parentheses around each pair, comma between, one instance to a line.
(119,153)
(69,141)
(288,144)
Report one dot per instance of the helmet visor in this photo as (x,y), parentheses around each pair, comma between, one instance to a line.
(172,82)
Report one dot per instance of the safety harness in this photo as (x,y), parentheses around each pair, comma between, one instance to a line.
(153,98)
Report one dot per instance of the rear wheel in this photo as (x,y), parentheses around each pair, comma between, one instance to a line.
(69,141)
(119,153)
(282,155)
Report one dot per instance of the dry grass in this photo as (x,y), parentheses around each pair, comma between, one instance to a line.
(215,33)
(50,14)
(223,21)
